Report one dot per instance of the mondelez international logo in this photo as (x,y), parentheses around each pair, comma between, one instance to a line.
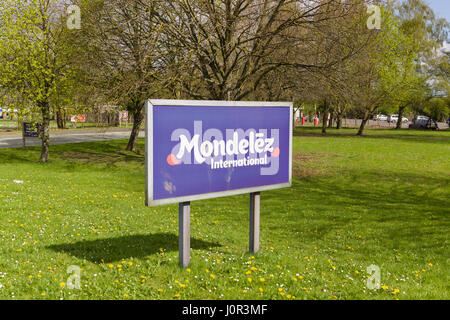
(230,149)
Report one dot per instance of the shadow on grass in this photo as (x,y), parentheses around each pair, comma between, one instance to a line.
(19,156)
(111,152)
(400,215)
(116,249)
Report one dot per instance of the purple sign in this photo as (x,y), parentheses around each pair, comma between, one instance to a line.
(204,149)
(31,129)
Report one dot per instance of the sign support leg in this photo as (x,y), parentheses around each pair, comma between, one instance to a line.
(254,221)
(184,242)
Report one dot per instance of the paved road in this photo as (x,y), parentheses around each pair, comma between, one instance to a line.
(14,140)
(356,123)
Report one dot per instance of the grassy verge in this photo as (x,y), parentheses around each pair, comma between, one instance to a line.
(356,201)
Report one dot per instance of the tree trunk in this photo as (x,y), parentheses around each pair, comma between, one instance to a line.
(138,117)
(45,134)
(324,117)
(363,123)
(400,116)
(330,124)
(339,122)
(60,118)
(324,122)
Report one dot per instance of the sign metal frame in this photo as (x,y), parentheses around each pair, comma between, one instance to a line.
(185,201)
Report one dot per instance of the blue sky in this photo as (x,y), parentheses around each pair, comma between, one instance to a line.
(441,8)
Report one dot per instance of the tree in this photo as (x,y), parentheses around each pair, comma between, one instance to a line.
(387,70)
(231,47)
(123,56)
(319,57)
(437,109)
(34,57)
(427,33)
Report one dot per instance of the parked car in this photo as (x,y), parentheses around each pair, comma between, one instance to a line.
(420,119)
(381,117)
(394,118)
(424,123)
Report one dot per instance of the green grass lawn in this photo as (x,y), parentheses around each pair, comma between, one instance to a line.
(382,199)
